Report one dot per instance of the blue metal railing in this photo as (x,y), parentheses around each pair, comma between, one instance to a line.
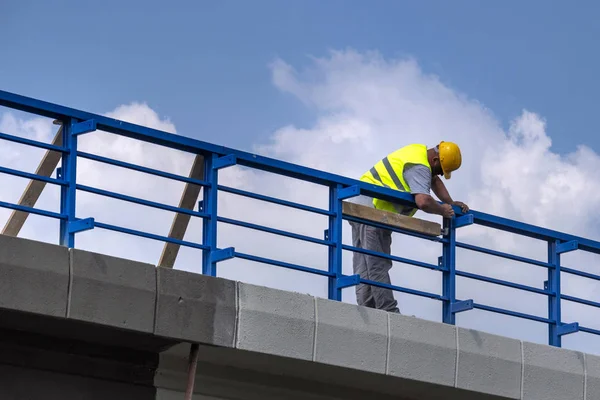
(216,158)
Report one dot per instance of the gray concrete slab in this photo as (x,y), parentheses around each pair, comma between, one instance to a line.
(195,307)
(489,363)
(275,322)
(592,377)
(551,373)
(351,336)
(34,276)
(112,291)
(422,350)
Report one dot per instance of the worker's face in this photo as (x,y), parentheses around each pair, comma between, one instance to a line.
(436,167)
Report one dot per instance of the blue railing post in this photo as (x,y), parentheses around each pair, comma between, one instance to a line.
(68,172)
(209,225)
(334,234)
(553,284)
(448,261)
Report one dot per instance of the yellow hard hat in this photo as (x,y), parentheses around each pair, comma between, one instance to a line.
(450,158)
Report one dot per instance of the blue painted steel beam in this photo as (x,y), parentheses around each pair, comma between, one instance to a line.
(274,200)
(68,192)
(222,255)
(32,210)
(512,313)
(448,262)
(567,329)
(80,225)
(334,232)
(393,258)
(283,264)
(139,168)
(403,289)
(274,231)
(553,284)
(146,235)
(504,255)
(348,281)
(580,301)
(83,127)
(209,225)
(137,200)
(34,143)
(589,330)
(580,273)
(504,283)
(461,306)
(27,175)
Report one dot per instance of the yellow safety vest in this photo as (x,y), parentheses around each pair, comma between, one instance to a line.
(389,173)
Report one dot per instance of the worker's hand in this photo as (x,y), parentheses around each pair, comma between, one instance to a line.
(463,206)
(447,211)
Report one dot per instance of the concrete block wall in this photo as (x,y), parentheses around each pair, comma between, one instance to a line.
(417,356)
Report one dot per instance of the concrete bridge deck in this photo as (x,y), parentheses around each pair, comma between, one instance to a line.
(79,325)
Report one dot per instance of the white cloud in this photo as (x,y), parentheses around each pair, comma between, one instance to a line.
(367,106)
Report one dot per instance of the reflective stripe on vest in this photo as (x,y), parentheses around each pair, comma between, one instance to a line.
(384,171)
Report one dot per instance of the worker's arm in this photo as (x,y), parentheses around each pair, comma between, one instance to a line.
(438,187)
(428,204)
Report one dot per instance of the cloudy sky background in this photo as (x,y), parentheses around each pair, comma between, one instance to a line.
(362,104)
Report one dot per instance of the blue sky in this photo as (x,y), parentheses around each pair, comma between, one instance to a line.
(204,64)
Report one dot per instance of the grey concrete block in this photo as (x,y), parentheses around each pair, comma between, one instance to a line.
(195,307)
(422,350)
(351,336)
(34,276)
(552,373)
(489,364)
(112,291)
(593,377)
(276,322)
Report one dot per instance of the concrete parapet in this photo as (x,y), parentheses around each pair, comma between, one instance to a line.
(34,276)
(422,350)
(592,369)
(112,291)
(195,308)
(489,364)
(276,322)
(550,373)
(351,336)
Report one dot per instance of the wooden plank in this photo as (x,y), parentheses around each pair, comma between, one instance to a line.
(34,189)
(385,217)
(188,201)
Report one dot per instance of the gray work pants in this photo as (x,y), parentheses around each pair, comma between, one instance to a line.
(373,268)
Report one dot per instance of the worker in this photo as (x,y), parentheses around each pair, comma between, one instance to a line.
(414,169)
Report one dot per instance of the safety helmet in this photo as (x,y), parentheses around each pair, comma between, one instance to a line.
(450,158)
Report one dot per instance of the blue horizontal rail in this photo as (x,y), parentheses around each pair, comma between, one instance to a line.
(393,258)
(28,175)
(503,283)
(273,231)
(147,235)
(136,200)
(274,200)
(503,255)
(33,143)
(216,158)
(140,168)
(32,210)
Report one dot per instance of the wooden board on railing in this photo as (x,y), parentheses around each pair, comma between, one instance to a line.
(385,217)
